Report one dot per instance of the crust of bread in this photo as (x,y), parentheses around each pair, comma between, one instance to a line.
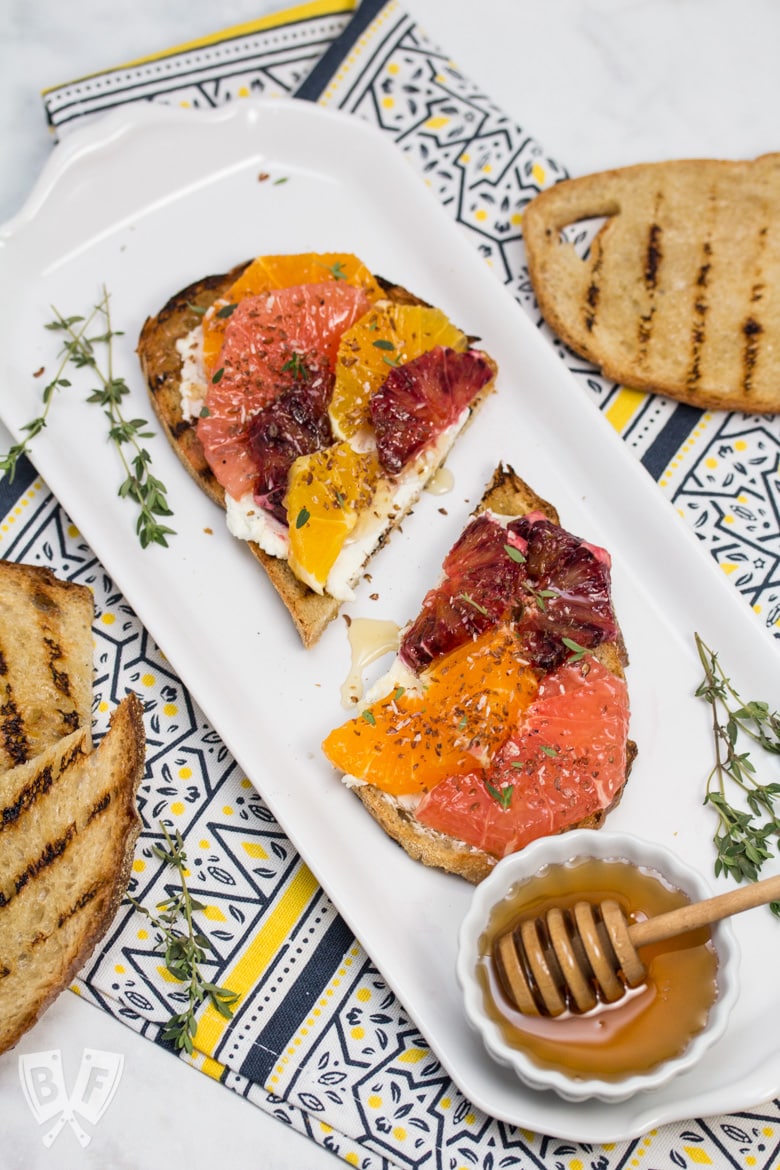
(161,364)
(443,852)
(66,854)
(509,495)
(680,292)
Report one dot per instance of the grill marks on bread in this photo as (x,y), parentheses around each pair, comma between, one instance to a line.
(34,797)
(752,328)
(680,293)
(700,309)
(708,286)
(45,661)
(65,861)
(653,257)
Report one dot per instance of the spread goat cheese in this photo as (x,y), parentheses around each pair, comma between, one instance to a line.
(192,384)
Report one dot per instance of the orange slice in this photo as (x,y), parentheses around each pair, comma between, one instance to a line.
(409,742)
(388,335)
(269,272)
(326,493)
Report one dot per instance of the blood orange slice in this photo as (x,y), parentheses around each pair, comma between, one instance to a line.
(294,424)
(272,341)
(567,761)
(568,583)
(418,401)
(410,741)
(554,585)
(269,272)
(388,336)
(480,581)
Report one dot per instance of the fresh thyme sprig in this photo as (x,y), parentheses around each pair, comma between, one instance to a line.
(184,949)
(80,350)
(743,839)
(10,461)
(139,484)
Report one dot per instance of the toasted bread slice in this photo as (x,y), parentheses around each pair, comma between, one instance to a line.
(680,293)
(506,495)
(66,851)
(45,661)
(161,363)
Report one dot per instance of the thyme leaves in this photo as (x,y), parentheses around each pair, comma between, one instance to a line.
(745,833)
(84,350)
(185,948)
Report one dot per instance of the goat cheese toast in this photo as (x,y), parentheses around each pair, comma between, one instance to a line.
(312,401)
(505,715)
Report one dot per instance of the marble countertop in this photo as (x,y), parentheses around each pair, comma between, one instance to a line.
(599,83)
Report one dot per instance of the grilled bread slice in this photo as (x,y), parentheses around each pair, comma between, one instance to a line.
(67,831)
(680,292)
(45,661)
(161,363)
(507,495)
(68,817)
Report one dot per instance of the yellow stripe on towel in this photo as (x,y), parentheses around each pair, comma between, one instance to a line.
(624,407)
(258,956)
(274,20)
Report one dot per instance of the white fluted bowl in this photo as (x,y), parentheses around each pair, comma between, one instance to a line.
(559,850)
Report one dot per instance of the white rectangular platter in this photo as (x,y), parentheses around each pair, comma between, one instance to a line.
(144,203)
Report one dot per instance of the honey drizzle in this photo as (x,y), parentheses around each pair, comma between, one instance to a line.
(441,482)
(369,639)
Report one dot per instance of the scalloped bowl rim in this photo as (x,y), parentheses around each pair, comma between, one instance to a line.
(569,847)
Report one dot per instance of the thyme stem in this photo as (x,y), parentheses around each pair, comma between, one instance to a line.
(139,484)
(10,461)
(184,950)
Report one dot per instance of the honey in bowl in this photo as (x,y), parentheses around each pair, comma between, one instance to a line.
(646,1026)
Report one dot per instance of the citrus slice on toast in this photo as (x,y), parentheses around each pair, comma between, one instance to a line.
(270,272)
(411,741)
(326,492)
(557,586)
(386,337)
(272,341)
(423,398)
(566,762)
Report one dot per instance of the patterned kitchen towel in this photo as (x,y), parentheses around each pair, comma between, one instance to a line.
(269,57)
(317,1038)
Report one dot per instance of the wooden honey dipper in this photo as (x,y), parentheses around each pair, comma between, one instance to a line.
(575,959)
